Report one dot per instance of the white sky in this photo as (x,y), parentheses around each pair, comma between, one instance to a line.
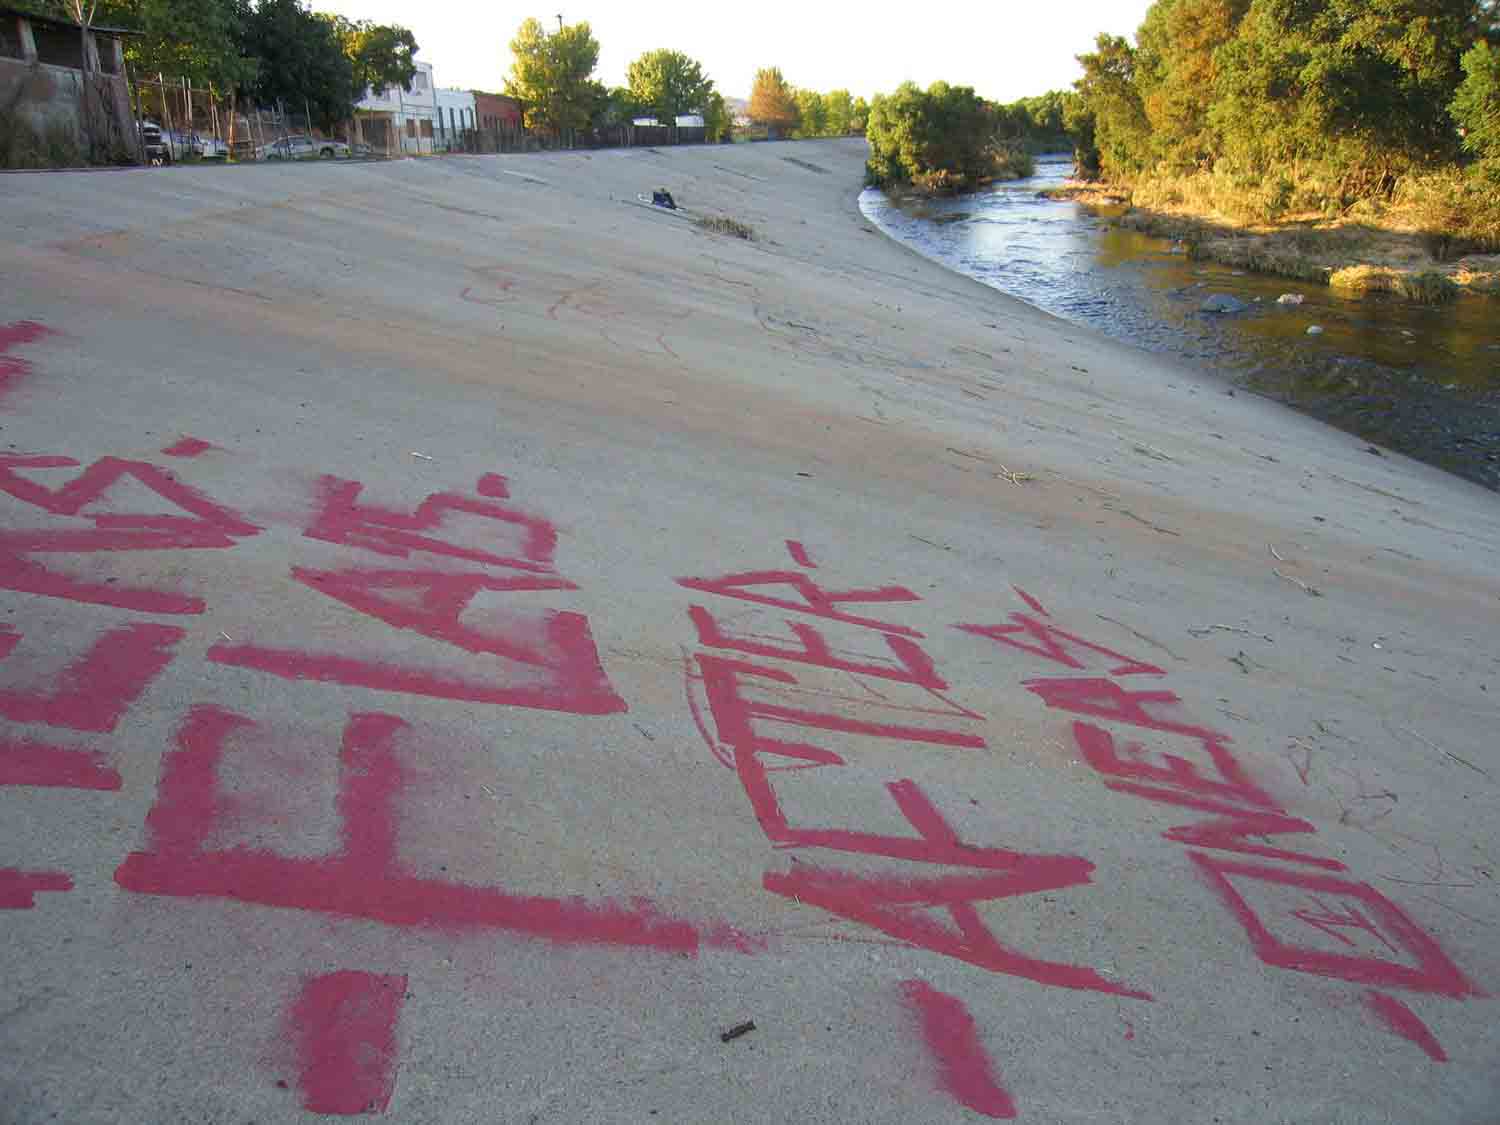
(1005,49)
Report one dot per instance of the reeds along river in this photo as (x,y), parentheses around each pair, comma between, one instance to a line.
(1420,379)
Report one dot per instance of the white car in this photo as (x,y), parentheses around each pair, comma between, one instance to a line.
(301,147)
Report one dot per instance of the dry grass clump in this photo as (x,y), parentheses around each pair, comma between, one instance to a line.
(723,224)
(1424,287)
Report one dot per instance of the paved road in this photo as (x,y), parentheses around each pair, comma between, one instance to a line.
(473,643)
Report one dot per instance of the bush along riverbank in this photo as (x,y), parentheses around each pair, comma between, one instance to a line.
(943,140)
(1330,140)
(1402,246)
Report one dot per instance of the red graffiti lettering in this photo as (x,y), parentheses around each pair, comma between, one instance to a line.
(341,519)
(898,907)
(952,1038)
(1425,967)
(206,525)
(12,367)
(18,889)
(549,659)
(1397,1017)
(28,762)
(1130,761)
(913,665)
(188,447)
(1232,826)
(1105,699)
(1059,646)
(799,554)
(815,600)
(344,1025)
(94,692)
(365,878)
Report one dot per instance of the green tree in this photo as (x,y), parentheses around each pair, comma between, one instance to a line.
(812,114)
(1121,132)
(617,107)
(772,101)
(1476,106)
(668,84)
(1078,120)
(942,138)
(1357,87)
(551,76)
(838,108)
(200,40)
(1175,75)
(716,117)
(380,55)
(859,116)
(299,61)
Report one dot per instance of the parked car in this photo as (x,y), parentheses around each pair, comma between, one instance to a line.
(166,146)
(301,147)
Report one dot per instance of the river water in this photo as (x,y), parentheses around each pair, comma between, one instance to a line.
(1419,379)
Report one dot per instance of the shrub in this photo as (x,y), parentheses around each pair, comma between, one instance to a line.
(723,224)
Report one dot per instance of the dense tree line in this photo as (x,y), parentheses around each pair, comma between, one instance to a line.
(552,75)
(947,138)
(269,52)
(787,110)
(1296,101)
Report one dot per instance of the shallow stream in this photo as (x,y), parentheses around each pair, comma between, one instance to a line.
(1419,379)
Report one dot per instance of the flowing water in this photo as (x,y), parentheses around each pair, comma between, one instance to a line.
(1420,379)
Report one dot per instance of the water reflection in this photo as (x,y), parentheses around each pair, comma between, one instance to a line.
(1420,379)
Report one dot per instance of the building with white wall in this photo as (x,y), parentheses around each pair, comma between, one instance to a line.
(455,117)
(396,121)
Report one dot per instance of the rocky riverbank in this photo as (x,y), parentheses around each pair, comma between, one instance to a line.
(1355,255)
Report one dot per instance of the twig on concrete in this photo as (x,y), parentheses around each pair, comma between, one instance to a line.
(1310,591)
(423,456)
(1152,452)
(1142,636)
(931,543)
(1447,753)
(736,1031)
(1138,519)
(963,453)
(1205,630)
(1013,477)
(1274,554)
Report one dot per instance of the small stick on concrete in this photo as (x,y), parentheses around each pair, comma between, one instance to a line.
(1142,636)
(1447,753)
(1205,630)
(1013,477)
(736,1031)
(1274,554)
(423,456)
(1310,591)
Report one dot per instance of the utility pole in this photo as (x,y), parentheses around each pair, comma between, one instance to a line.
(559,21)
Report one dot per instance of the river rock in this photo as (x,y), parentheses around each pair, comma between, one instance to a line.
(1223,303)
(1315,330)
(1290,299)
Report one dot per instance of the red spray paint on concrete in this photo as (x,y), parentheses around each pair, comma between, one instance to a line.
(12,367)
(18,889)
(1404,1022)
(25,761)
(344,1025)
(964,1067)
(95,691)
(365,878)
